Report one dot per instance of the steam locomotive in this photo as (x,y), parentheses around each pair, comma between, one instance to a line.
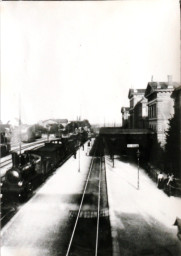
(34,166)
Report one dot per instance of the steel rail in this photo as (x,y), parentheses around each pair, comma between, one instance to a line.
(28,146)
(75,225)
(16,149)
(5,163)
(98,208)
(14,146)
(23,147)
(9,161)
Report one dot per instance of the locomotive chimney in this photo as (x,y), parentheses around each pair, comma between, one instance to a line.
(170,85)
(15,159)
(158,85)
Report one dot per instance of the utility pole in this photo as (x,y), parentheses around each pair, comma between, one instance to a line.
(79,158)
(79,141)
(20,124)
(138,155)
(113,161)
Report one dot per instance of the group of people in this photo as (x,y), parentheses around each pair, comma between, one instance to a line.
(88,148)
(163,181)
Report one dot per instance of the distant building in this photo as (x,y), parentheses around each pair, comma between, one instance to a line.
(141,114)
(125,117)
(138,108)
(50,122)
(176,95)
(160,106)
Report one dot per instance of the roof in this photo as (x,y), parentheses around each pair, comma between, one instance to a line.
(159,86)
(55,121)
(143,100)
(119,131)
(125,109)
(135,92)
(48,148)
(178,88)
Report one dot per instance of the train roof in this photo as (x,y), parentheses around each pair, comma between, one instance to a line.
(55,141)
(47,148)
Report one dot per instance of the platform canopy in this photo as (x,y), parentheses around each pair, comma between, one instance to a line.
(120,131)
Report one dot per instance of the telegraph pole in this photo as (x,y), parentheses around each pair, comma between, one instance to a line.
(79,141)
(138,157)
(20,123)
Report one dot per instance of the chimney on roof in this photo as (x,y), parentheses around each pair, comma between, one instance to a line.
(170,85)
(158,85)
(152,78)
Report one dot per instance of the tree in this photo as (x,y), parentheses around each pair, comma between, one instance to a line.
(172,147)
(156,154)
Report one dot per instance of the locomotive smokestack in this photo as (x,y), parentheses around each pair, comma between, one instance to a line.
(15,159)
(170,85)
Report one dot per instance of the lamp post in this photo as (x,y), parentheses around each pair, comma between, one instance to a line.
(138,158)
(20,124)
(112,150)
(79,157)
(48,133)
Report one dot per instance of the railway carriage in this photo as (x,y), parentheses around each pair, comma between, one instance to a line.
(51,154)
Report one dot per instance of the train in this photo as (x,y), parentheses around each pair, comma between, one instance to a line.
(34,166)
(5,136)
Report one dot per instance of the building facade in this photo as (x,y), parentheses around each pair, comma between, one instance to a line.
(125,117)
(141,114)
(176,95)
(160,107)
(138,108)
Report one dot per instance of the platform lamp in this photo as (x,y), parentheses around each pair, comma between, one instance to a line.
(79,157)
(138,158)
(112,150)
(20,123)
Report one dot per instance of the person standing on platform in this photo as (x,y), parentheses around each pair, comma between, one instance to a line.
(160,180)
(75,154)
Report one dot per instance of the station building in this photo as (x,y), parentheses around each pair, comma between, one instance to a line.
(176,95)
(160,106)
(135,116)
(153,107)
(136,99)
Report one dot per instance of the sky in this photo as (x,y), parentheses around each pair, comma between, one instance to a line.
(70,59)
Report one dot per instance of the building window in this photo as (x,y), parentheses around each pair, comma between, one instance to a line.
(152,111)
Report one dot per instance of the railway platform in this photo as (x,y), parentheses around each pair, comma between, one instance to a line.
(142,220)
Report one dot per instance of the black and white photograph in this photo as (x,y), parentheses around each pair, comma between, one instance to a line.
(90,128)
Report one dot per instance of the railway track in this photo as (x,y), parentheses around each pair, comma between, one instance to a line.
(90,216)
(29,145)
(7,162)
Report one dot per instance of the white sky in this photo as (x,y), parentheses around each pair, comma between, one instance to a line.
(68,58)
